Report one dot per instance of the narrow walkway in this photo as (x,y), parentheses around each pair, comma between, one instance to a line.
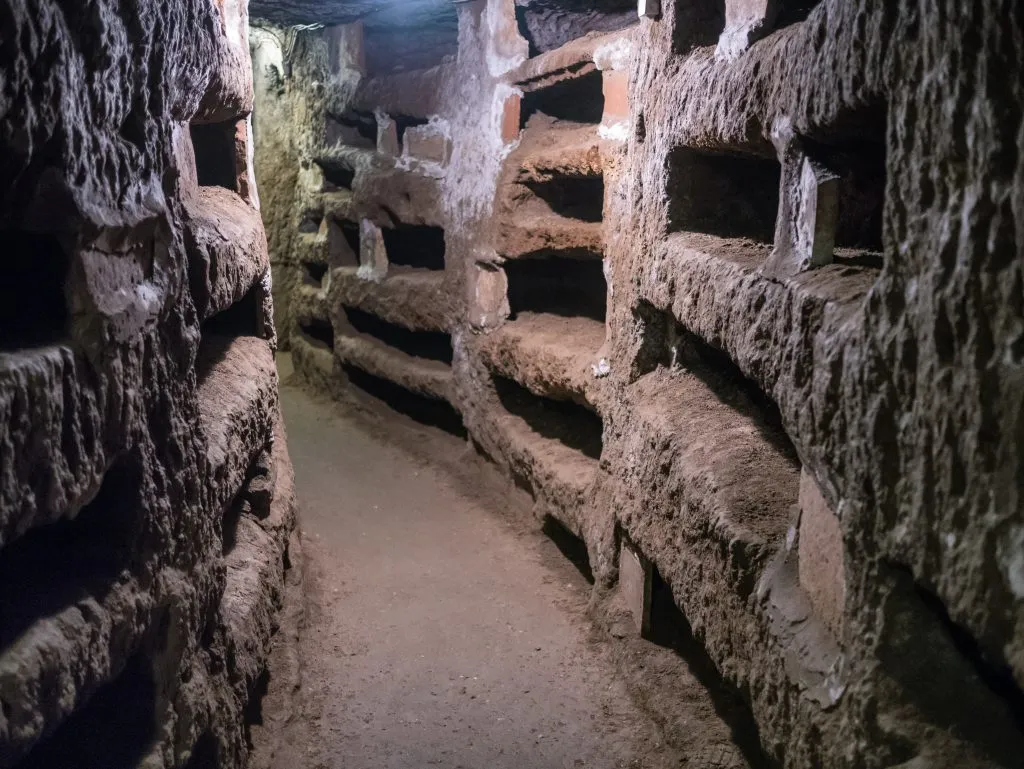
(439,632)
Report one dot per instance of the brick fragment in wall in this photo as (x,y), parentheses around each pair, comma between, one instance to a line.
(429,142)
(510,118)
(821,559)
(615,86)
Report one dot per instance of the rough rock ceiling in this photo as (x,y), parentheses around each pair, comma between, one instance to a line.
(374,13)
(400,34)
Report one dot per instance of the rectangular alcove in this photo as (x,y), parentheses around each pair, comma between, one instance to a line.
(558,285)
(432,412)
(574,20)
(574,197)
(33,304)
(216,154)
(53,567)
(862,177)
(342,243)
(428,345)
(576,427)
(313,273)
(727,196)
(669,344)
(576,99)
(353,129)
(116,729)
(242,318)
(415,245)
(318,332)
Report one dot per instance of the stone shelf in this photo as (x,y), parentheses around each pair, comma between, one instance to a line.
(411,298)
(559,477)
(549,148)
(574,59)
(550,355)
(429,378)
(523,235)
(64,475)
(226,247)
(237,396)
(736,469)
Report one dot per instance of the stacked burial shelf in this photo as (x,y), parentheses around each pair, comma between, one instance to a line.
(550,241)
(702,394)
(372,296)
(88,578)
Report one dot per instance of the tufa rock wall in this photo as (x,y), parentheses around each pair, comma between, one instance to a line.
(147,512)
(736,290)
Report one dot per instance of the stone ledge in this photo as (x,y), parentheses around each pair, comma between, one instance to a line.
(425,377)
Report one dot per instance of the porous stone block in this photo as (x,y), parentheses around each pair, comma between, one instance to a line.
(373,258)
(805,232)
(820,555)
(387,136)
(746,21)
(648,9)
(635,579)
(429,142)
(488,303)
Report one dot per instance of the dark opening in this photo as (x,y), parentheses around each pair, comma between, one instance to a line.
(670,629)
(957,684)
(427,411)
(313,273)
(403,122)
(432,345)
(204,754)
(53,567)
(243,318)
(115,730)
(214,145)
(667,343)
(578,100)
(33,306)
(575,426)
(994,673)
(861,168)
(354,129)
(310,224)
(343,244)
(319,333)
(415,245)
(571,546)
(577,197)
(698,23)
(337,176)
(557,285)
(550,24)
(729,196)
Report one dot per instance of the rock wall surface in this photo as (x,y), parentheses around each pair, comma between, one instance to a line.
(146,508)
(737,290)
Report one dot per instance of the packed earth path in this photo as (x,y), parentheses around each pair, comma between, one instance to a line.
(438,631)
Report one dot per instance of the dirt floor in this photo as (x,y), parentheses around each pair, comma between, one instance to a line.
(440,626)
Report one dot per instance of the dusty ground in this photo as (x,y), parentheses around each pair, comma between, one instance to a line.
(438,630)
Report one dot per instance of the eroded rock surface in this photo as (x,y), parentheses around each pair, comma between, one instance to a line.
(146,503)
(738,284)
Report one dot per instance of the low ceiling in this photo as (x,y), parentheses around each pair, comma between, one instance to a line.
(400,34)
(376,14)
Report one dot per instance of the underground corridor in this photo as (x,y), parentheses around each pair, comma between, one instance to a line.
(511,384)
